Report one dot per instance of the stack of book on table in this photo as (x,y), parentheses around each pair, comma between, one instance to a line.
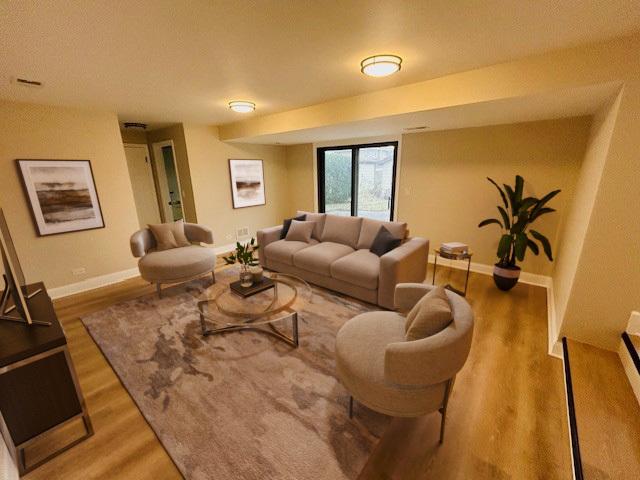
(454,248)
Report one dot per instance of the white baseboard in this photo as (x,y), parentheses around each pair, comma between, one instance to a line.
(630,369)
(555,347)
(92,283)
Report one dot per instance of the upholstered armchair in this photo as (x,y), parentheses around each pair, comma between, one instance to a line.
(175,265)
(390,375)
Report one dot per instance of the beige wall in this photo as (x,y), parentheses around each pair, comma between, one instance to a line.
(299,165)
(606,284)
(209,164)
(176,134)
(444,193)
(43,132)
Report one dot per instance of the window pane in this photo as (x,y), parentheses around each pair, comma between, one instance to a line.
(337,182)
(375,182)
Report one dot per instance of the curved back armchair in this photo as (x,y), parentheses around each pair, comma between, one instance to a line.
(397,377)
(177,264)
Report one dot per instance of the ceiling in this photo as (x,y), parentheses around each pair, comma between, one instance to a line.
(558,104)
(162,61)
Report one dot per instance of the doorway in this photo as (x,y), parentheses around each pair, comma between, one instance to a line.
(358,180)
(144,189)
(170,195)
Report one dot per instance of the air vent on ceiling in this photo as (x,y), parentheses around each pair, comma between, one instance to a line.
(415,129)
(143,126)
(25,82)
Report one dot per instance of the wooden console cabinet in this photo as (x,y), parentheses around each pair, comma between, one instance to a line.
(39,391)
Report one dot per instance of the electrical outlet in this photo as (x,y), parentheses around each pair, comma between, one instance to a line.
(229,236)
(242,232)
(79,271)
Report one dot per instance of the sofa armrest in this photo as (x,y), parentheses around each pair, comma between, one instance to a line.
(405,264)
(408,294)
(265,237)
(141,242)
(198,233)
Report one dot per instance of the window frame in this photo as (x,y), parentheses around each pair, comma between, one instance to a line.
(355,151)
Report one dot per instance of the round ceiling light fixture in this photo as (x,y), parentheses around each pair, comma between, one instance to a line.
(242,106)
(380,65)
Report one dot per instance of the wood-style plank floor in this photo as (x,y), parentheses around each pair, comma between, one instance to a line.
(506,416)
(607,414)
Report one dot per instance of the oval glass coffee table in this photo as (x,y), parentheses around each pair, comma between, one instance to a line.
(222,310)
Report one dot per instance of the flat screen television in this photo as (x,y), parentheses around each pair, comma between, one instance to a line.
(15,287)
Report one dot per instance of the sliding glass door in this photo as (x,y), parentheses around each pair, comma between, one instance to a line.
(358,180)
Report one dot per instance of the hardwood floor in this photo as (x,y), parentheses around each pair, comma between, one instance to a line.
(506,416)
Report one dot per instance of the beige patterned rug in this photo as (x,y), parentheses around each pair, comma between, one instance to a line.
(241,405)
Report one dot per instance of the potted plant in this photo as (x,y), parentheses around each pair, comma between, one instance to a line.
(244,255)
(516,216)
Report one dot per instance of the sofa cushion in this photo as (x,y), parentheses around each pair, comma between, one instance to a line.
(384,242)
(169,235)
(282,250)
(177,263)
(360,268)
(344,230)
(318,258)
(286,224)
(429,316)
(370,229)
(319,218)
(300,231)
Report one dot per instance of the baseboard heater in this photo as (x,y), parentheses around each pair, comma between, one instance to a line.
(571,410)
(632,350)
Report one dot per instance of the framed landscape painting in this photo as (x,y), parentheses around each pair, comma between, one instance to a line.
(247,183)
(62,195)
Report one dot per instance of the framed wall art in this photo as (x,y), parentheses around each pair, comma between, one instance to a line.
(62,195)
(247,183)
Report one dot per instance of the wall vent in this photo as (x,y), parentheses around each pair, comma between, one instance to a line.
(25,82)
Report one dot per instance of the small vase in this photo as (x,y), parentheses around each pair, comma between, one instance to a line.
(246,278)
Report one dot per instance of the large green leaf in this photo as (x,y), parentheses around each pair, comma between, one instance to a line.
(533,246)
(504,247)
(527,203)
(546,246)
(519,188)
(511,195)
(541,212)
(489,221)
(521,245)
(504,197)
(521,223)
(505,218)
(544,200)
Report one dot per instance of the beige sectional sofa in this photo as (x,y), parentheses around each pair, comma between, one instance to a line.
(338,258)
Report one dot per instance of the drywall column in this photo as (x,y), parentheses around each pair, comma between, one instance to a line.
(605,285)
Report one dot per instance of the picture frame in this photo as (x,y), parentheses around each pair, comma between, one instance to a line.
(62,195)
(247,183)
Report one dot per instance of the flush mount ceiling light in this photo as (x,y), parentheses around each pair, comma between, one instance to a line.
(241,106)
(380,65)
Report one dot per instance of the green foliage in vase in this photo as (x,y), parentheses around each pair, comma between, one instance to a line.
(516,216)
(244,254)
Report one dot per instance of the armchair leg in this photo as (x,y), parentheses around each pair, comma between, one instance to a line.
(213,275)
(159,290)
(443,409)
(350,406)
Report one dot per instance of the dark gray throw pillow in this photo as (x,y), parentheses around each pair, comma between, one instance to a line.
(384,242)
(286,225)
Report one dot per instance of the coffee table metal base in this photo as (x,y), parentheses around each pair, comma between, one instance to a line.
(266,327)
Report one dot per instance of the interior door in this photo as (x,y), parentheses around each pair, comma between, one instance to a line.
(144,190)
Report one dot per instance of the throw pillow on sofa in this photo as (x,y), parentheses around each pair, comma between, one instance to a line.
(430,315)
(169,235)
(300,231)
(287,224)
(384,242)
(319,218)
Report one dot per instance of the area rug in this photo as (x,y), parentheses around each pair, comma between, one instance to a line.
(240,405)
